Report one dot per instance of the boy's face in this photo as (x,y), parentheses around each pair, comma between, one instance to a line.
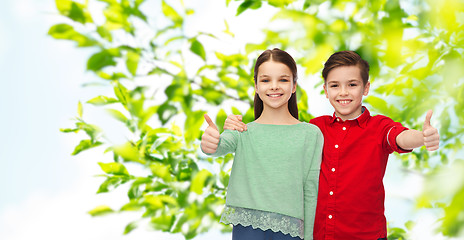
(345,89)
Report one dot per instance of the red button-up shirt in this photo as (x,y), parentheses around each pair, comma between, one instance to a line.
(351,196)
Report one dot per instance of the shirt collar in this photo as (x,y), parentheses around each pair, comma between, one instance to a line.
(361,119)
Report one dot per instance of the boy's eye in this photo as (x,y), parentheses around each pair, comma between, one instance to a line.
(284,80)
(264,80)
(333,85)
(353,84)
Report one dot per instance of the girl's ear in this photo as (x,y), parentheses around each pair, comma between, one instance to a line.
(294,88)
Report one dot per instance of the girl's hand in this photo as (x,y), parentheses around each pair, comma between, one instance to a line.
(431,136)
(234,122)
(210,138)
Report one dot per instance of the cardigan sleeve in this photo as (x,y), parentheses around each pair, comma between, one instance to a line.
(311,185)
(227,143)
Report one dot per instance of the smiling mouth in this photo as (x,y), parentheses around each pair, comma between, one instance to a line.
(275,95)
(344,102)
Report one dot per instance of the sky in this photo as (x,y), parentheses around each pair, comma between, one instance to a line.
(45,192)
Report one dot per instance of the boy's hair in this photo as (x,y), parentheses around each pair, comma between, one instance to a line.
(280,56)
(346,58)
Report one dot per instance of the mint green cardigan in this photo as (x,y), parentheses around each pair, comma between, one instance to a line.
(275,169)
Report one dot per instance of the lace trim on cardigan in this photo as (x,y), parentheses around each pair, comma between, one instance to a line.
(263,220)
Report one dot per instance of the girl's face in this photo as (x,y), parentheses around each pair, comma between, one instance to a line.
(274,85)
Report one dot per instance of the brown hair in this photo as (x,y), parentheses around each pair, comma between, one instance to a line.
(280,56)
(346,58)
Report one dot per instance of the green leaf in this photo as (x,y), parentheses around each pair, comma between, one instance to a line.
(73,10)
(198,49)
(122,93)
(110,182)
(85,145)
(131,226)
(169,12)
(80,110)
(198,182)
(68,130)
(118,115)
(67,32)
(220,119)
(114,168)
(100,210)
(100,60)
(132,62)
(104,33)
(161,170)
(128,152)
(133,205)
(193,125)
(102,100)
(252,4)
(280,3)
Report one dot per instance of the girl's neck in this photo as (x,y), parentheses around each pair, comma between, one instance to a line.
(277,116)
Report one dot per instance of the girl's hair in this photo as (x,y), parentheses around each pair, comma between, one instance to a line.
(346,58)
(280,56)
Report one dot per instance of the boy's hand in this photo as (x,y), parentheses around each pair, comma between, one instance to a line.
(210,138)
(431,136)
(234,122)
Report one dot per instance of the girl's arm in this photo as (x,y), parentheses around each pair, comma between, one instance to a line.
(210,138)
(216,145)
(311,185)
(411,139)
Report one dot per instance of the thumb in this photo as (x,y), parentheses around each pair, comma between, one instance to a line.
(210,123)
(239,117)
(427,119)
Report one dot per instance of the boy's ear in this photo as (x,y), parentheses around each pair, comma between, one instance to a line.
(325,90)
(366,88)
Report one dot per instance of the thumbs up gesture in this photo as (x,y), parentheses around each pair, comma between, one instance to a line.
(431,136)
(210,138)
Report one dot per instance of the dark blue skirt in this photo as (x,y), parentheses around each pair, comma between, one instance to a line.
(240,232)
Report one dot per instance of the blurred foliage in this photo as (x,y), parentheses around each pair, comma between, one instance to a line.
(161,74)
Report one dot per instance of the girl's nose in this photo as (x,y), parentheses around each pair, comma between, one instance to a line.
(274,85)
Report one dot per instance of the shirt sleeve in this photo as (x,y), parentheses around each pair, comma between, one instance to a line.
(311,184)
(391,130)
(227,143)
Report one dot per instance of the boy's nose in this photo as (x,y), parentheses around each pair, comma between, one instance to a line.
(343,91)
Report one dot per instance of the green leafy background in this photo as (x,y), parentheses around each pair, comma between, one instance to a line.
(155,73)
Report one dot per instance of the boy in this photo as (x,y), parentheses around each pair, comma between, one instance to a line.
(356,149)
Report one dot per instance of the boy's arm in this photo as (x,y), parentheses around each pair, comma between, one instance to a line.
(234,122)
(411,139)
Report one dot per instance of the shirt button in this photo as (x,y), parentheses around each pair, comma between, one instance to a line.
(338,119)
(336,145)
(331,193)
(333,169)
(330,216)
(344,128)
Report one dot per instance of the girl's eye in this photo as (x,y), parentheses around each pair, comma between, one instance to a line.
(284,80)
(264,80)
(333,85)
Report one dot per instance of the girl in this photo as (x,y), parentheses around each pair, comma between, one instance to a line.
(273,185)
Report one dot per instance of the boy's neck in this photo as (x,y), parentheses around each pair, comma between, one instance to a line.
(277,116)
